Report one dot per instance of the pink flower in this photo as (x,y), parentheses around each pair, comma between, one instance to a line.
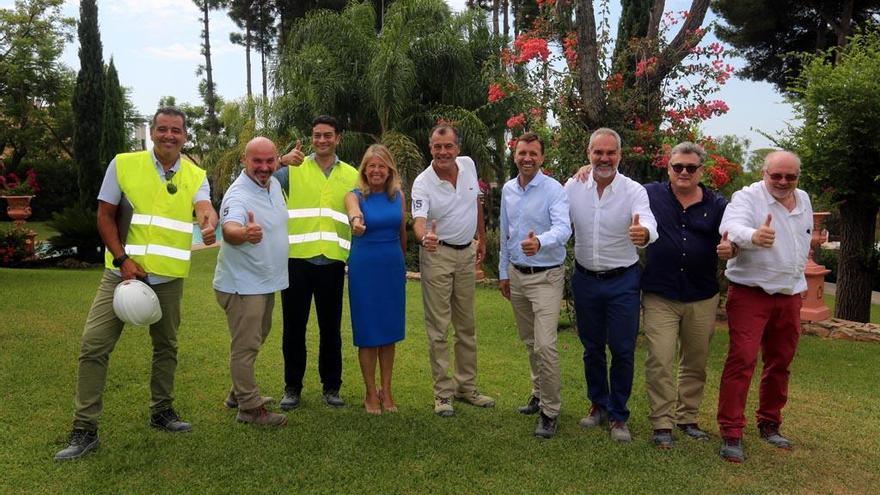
(496,93)
(638,150)
(516,122)
(531,48)
(646,66)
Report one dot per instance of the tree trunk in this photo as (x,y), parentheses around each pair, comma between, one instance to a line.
(247,57)
(495,6)
(209,76)
(654,22)
(588,65)
(505,8)
(856,264)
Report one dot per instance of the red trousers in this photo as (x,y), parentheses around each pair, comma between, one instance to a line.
(771,323)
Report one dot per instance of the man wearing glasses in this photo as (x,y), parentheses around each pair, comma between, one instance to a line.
(145,212)
(771,221)
(319,239)
(680,293)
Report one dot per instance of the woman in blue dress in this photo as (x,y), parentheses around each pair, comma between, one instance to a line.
(376,272)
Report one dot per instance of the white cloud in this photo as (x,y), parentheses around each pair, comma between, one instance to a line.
(175,51)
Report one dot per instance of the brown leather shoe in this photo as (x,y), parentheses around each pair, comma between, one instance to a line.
(261,417)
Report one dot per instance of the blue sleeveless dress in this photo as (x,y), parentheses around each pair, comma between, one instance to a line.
(377,274)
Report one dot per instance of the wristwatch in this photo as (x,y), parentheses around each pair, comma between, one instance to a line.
(117,262)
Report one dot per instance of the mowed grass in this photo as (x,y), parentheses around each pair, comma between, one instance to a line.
(833,415)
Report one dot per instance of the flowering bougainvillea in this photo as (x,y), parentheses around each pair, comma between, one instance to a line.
(529,47)
(517,121)
(496,93)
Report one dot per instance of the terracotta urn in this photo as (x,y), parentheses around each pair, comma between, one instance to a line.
(18,209)
(814,308)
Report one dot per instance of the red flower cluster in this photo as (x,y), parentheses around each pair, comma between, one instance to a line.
(700,111)
(546,3)
(570,49)
(12,185)
(614,82)
(646,66)
(517,121)
(718,177)
(496,93)
(530,48)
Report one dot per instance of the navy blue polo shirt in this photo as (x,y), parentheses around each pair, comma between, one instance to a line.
(682,264)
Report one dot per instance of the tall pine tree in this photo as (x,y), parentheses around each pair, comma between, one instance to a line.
(113,138)
(88,105)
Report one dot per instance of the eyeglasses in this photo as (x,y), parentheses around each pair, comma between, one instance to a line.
(677,168)
(778,177)
(169,186)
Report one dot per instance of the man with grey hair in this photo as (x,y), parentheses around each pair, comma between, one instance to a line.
(680,293)
(611,217)
(771,221)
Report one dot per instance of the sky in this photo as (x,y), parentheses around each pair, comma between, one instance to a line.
(155,45)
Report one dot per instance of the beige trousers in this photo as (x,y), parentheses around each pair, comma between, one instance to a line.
(672,326)
(250,319)
(448,278)
(536,299)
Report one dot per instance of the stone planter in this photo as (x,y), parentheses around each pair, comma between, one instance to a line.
(18,209)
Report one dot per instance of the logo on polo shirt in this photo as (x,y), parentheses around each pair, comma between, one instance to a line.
(418,203)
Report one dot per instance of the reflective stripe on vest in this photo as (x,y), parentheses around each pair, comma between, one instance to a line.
(160,233)
(317,220)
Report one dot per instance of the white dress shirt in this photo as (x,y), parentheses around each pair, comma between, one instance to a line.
(778,269)
(454,208)
(601,225)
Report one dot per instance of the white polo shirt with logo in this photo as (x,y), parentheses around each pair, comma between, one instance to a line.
(454,207)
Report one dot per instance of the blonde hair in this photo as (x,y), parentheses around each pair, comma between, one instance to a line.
(392,183)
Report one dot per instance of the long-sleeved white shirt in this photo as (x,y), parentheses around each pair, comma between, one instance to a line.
(778,269)
(601,225)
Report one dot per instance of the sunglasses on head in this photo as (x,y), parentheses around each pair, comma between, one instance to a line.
(677,168)
(169,186)
(788,177)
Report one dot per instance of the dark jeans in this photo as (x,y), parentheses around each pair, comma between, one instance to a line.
(326,283)
(608,314)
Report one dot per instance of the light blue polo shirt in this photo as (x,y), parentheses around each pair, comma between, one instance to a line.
(261,268)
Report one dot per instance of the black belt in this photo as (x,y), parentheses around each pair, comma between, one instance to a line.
(614,272)
(531,270)
(454,246)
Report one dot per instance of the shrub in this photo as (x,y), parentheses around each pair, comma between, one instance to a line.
(12,247)
(77,228)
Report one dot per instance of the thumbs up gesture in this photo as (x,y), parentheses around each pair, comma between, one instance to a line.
(358,227)
(725,248)
(253,233)
(295,156)
(638,234)
(765,235)
(430,241)
(531,244)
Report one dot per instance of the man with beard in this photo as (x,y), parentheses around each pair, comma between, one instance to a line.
(611,217)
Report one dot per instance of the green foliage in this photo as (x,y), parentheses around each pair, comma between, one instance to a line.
(12,246)
(113,135)
(35,87)
(88,104)
(771,34)
(77,227)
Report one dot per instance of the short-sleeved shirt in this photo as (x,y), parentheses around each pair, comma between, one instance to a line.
(112,194)
(260,268)
(683,264)
(454,207)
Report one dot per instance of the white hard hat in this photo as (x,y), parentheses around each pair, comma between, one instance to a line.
(135,303)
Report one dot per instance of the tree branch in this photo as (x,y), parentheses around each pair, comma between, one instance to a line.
(686,39)
(590,85)
(654,20)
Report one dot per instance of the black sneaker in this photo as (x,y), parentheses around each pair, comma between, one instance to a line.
(168,420)
(332,398)
(290,401)
(546,427)
(770,434)
(82,441)
(732,450)
(693,430)
(531,407)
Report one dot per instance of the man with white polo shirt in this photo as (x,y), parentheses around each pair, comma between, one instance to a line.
(145,213)
(611,217)
(251,266)
(771,222)
(447,214)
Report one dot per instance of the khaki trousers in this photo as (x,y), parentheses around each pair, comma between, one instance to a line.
(536,299)
(686,327)
(102,331)
(250,319)
(448,278)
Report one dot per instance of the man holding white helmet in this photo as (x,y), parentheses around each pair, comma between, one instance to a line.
(145,210)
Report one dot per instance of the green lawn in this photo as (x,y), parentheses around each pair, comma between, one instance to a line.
(833,415)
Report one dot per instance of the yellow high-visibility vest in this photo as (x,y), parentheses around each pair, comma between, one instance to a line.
(160,235)
(317,219)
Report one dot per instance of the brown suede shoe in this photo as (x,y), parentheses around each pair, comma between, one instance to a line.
(261,417)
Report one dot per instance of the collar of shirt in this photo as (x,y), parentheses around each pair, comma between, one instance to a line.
(591,183)
(436,178)
(770,199)
(535,182)
(160,168)
(329,169)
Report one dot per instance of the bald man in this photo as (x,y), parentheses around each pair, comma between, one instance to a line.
(251,266)
(771,222)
